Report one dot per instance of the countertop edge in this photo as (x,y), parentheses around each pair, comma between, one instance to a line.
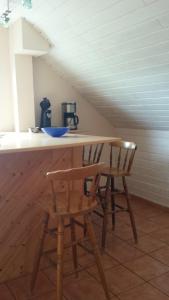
(96,139)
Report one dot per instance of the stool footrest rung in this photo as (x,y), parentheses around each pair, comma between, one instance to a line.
(53,231)
(79,269)
(68,245)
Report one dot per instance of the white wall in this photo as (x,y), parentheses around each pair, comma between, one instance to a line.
(6,110)
(48,83)
(24,42)
(150,178)
(25,92)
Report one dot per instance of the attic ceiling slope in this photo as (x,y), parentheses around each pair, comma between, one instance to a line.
(115,52)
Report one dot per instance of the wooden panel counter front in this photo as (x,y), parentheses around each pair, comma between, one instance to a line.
(24,160)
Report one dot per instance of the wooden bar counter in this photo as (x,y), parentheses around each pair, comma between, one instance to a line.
(24,160)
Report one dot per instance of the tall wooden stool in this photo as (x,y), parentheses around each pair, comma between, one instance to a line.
(121,159)
(70,203)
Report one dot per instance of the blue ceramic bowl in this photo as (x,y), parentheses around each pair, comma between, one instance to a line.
(55,131)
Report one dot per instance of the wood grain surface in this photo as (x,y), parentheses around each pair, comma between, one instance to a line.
(23,185)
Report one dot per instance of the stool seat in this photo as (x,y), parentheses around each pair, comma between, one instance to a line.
(114,172)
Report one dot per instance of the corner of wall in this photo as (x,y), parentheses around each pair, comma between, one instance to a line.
(50,84)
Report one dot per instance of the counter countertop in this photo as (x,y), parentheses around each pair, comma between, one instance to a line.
(18,142)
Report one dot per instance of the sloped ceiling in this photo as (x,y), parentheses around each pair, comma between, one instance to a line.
(116,52)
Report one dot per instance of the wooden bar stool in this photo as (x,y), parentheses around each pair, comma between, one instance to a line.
(69,203)
(121,159)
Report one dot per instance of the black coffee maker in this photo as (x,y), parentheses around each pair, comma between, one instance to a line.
(45,120)
(69,117)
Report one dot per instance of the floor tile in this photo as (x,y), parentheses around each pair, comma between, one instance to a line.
(162,255)
(51,274)
(147,267)
(145,225)
(82,282)
(144,292)
(161,234)
(162,219)
(67,254)
(44,263)
(84,287)
(162,283)
(119,279)
(107,261)
(68,268)
(21,287)
(147,243)
(125,232)
(51,271)
(46,296)
(141,206)
(148,211)
(121,251)
(85,260)
(123,218)
(5,294)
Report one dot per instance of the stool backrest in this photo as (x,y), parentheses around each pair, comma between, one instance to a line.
(92,153)
(71,181)
(122,158)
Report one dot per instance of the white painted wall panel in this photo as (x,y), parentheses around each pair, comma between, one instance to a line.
(6,104)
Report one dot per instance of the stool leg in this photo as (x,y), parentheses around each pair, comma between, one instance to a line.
(113,206)
(85,186)
(39,252)
(74,246)
(105,213)
(84,230)
(60,249)
(97,255)
(132,220)
(104,227)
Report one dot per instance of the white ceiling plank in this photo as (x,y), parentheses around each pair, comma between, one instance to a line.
(115,52)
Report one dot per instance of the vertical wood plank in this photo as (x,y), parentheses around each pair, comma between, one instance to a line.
(22,185)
